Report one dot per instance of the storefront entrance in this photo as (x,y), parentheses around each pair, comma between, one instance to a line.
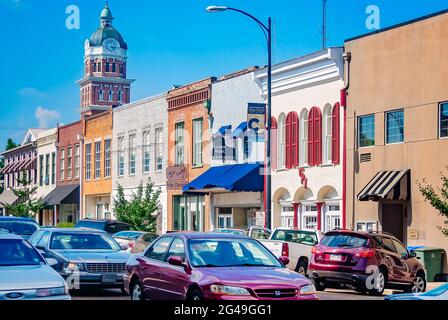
(392,219)
(189,213)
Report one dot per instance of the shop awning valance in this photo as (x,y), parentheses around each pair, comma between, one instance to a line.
(63,195)
(6,169)
(390,185)
(7,197)
(231,178)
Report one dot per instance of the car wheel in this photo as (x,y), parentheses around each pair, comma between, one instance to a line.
(301,268)
(419,284)
(379,284)
(137,291)
(318,285)
(195,295)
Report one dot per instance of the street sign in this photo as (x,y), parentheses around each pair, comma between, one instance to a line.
(256,117)
(177,177)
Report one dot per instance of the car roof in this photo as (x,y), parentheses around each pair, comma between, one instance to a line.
(75,230)
(10,236)
(18,219)
(102,221)
(362,233)
(206,235)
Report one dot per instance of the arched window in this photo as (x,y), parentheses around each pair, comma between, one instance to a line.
(100,95)
(303,150)
(336,144)
(120,96)
(292,140)
(327,128)
(110,95)
(274,141)
(315,137)
(281,133)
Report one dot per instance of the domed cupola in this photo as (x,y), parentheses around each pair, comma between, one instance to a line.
(106,31)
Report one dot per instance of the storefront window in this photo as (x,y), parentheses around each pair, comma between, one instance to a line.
(309,217)
(333,217)
(189,213)
(288,217)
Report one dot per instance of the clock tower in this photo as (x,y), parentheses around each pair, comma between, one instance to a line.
(104,84)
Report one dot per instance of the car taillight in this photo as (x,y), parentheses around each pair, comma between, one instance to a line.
(285,250)
(365,254)
(314,250)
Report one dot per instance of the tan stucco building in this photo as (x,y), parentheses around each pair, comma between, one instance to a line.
(397,128)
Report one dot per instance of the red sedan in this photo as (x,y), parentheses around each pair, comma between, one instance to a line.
(199,266)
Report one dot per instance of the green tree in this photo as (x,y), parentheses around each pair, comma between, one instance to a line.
(25,206)
(439,200)
(139,209)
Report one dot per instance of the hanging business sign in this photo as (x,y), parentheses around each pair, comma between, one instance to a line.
(177,177)
(256,117)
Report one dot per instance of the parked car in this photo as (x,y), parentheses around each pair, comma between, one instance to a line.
(25,274)
(439,293)
(365,261)
(141,243)
(23,227)
(254,232)
(109,226)
(124,238)
(295,244)
(212,266)
(93,255)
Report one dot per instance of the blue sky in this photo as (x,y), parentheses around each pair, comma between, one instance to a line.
(170,42)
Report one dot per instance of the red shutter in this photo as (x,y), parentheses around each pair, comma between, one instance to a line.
(311,138)
(274,155)
(335,135)
(317,136)
(294,140)
(288,142)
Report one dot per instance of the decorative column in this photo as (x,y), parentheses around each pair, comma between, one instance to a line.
(319,215)
(296,214)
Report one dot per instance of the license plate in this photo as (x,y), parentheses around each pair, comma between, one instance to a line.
(109,278)
(335,257)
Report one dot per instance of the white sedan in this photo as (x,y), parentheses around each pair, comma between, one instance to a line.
(25,274)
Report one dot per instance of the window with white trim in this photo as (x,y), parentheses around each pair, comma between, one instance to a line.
(281,141)
(146,151)
(97,159)
(328,134)
(158,149)
(107,158)
(309,217)
(303,151)
(88,173)
(197,142)
(69,162)
(120,157)
(77,160)
(180,144)
(62,165)
(132,154)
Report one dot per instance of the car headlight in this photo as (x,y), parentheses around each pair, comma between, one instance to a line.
(307,290)
(229,291)
(73,266)
(52,292)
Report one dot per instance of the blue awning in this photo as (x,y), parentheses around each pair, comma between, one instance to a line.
(222,131)
(240,129)
(238,177)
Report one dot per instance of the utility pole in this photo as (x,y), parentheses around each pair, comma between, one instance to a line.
(324,24)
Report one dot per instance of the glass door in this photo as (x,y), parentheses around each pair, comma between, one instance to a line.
(333,218)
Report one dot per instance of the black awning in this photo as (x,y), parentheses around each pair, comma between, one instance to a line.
(390,185)
(63,195)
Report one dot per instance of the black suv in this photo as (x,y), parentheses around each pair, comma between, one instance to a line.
(109,226)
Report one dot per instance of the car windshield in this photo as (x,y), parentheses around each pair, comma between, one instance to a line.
(344,240)
(18,253)
(131,235)
(230,253)
(91,225)
(20,228)
(296,236)
(83,241)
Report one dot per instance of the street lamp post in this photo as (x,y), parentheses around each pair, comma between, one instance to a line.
(267,30)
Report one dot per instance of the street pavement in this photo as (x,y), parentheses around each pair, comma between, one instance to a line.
(115,294)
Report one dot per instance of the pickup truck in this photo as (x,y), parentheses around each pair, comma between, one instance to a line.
(257,233)
(294,244)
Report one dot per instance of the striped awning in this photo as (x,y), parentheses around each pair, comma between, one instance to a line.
(390,185)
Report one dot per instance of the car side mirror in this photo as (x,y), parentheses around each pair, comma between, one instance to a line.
(176,261)
(284,260)
(124,246)
(52,262)
(413,254)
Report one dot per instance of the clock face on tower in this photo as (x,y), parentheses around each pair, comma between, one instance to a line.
(110,45)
